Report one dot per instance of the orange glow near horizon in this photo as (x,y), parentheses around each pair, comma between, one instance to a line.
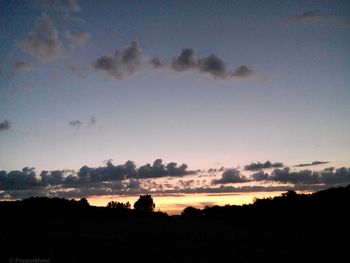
(174,204)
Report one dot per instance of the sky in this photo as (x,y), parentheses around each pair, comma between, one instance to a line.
(215,85)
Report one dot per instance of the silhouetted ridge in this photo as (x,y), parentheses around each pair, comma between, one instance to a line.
(290,207)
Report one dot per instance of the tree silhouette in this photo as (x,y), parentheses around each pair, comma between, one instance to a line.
(118,205)
(145,204)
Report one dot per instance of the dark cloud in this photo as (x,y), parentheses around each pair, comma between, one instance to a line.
(77,39)
(230,176)
(130,59)
(123,63)
(259,166)
(52,177)
(260,176)
(126,179)
(75,124)
(158,169)
(213,66)
(310,164)
(185,61)
(13,180)
(242,72)
(43,43)
(106,173)
(302,177)
(5,125)
(133,183)
(328,176)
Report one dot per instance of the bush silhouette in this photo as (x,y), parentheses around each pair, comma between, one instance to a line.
(145,204)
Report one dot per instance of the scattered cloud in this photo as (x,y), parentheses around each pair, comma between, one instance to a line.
(76,124)
(230,176)
(212,65)
(43,43)
(77,39)
(25,179)
(310,164)
(185,61)
(242,72)
(328,176)
(127,179)
(158,169)
(260,176)
(5,125)
(126,62)
(259,166)
(121,64)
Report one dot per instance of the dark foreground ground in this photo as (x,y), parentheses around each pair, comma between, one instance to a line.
(107,237)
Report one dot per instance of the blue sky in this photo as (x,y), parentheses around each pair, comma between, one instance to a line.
(279,90)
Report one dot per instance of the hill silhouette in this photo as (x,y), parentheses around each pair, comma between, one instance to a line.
(289,228)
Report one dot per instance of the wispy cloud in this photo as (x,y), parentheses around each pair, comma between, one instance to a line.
(310,164)
(43,43)
(313,17)
(78,39)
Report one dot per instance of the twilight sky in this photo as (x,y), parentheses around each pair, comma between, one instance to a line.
(206,83)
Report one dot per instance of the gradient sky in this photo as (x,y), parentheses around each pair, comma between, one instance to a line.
(60,109)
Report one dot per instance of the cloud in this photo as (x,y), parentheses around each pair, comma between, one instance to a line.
(259,166)
(242,72)
(75,124)
(73,6)
(305,16)
(158,169)
(328,176)
(185,61)
(24,179)
(157,62)
(76,71)
(5,125)
(92,121)
(260,176)
(130,59)
(77,39)
(133,183)
(123,63)
(21,65)
(213,66)
(230,176)
(62,6)
(311,16)
(43,43)
(310,164)
(126,179)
